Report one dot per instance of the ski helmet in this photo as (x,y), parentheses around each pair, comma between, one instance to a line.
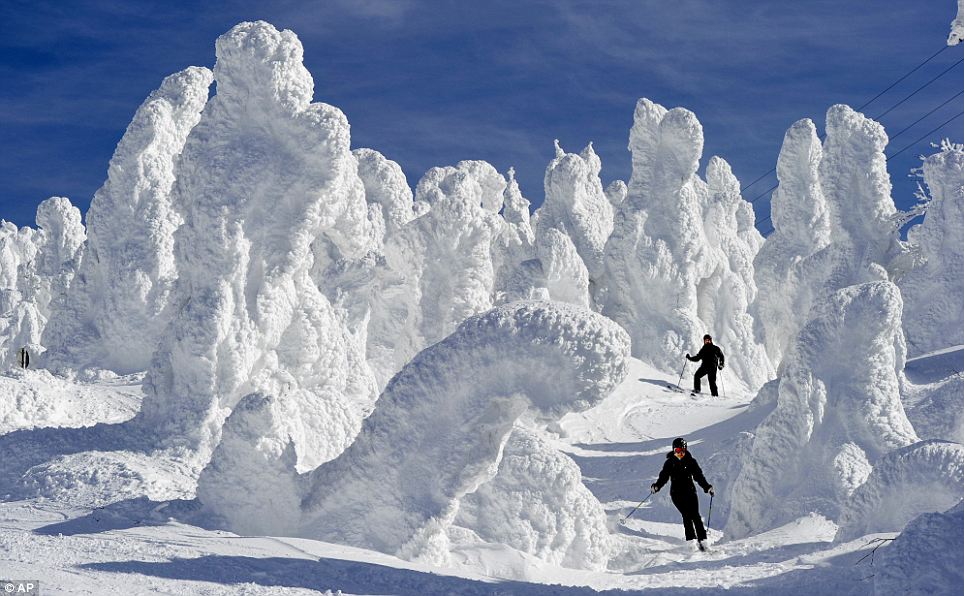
(679,443)
(707,337)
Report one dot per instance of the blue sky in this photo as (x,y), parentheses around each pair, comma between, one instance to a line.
(433,82)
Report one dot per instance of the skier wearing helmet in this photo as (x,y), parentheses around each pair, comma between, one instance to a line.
(682,469)
(712,357)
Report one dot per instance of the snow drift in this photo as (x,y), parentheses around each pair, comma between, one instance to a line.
(437,434)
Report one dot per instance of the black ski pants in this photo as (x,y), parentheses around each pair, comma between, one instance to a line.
(710,374)
(689,507)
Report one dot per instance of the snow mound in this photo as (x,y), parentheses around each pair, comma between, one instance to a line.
(838,411)
(266,185)
(252,482)
(679,262)
(922,478)
(115,314)
(38,399)
(927,558)
(538,504)
(934,290)
(436,435)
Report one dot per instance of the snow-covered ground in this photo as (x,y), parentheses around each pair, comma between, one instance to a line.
(141,546)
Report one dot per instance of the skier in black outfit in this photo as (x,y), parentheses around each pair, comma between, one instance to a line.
(682,469)
(712,357)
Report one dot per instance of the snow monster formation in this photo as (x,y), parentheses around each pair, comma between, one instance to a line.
(957,26)
(37,267)
(834,222)
(837,413)
(117,310)
(438,434)
(682,250)
(577,206)
(538,504)
(438,268)
(264,176)
(785,266)
(934,290)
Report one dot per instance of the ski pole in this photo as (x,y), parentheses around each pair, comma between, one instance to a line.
(723,387)
(651,493)
(709,515)
(681,376)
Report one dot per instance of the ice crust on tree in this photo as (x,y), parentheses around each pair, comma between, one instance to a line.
(438,267)
(265,184)
(838,411)
(37,267)
(922,478)
(117,310)
(538,504)
(437,434)
(517,271)
(833,219)
(957,26)
(927,558)
(679,262)
(934,290)
(785,265)
(577,205)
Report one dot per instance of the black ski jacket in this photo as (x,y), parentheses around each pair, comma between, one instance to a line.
(710,354)
(683,472)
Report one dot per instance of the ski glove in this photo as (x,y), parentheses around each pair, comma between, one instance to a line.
(654,488)
(711,491)
(721,367)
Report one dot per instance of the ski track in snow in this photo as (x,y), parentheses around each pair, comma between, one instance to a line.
(139,546)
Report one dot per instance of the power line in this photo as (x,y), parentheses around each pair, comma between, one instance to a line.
(919,89)
(868,102)
(929,133)
(909,126)
(946,122)
(912,71)
(765,193)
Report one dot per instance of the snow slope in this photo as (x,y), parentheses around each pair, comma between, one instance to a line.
(140,545)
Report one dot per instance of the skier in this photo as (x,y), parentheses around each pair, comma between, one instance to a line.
(712,357)
(682,469)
